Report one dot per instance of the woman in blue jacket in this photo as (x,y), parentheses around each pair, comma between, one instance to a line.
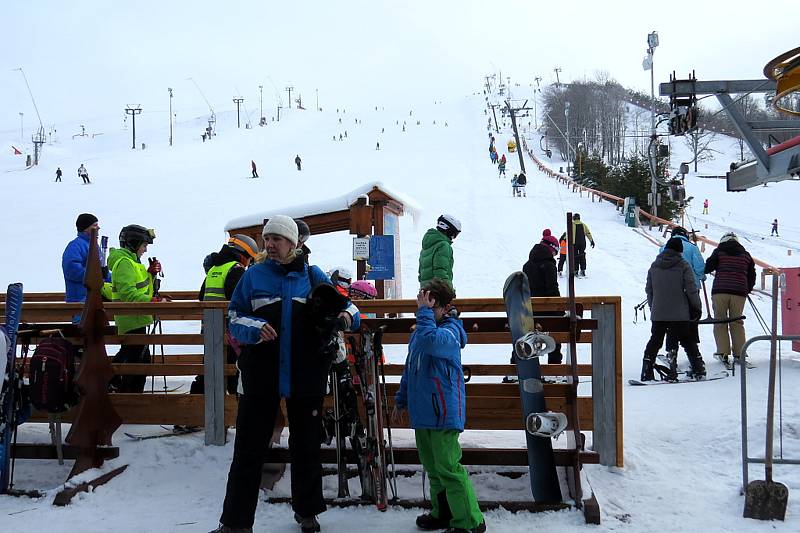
(432,390)
(281,357)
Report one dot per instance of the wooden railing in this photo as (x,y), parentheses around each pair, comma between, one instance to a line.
(490,405)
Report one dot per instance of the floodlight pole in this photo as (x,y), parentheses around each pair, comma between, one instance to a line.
(238,101)
(133,111)
(537,79)
(289,89)
(21,134)
(652,43)
(170,115)
(261,104)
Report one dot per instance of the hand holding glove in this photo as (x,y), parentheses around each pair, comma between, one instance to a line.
(155,267)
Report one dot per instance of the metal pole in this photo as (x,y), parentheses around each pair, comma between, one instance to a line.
(652,42)
(170,116)
(566,114)
(773,358)
(317,91)
(261,102)
(238,101)
(21,135)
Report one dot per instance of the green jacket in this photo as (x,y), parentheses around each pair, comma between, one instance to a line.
(436,257)
(130,282)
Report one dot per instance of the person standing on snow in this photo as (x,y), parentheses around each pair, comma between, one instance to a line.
(75,258)
(774,228)
(83,174)
(433,395)
(58,174)
(562,252)
(734,280)
(253,167)
(436,256)
(543,281)
(705,206)
(270,317)
(132,282)
(580,232)
(674,300)
(298,161)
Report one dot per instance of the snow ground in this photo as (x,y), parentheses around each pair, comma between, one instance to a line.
(682,461)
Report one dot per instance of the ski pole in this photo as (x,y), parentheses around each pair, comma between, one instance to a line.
(705,295)
(393,484)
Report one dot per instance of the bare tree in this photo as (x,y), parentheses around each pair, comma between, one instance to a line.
(700,142)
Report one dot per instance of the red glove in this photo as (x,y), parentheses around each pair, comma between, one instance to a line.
(155,267)
(157,299)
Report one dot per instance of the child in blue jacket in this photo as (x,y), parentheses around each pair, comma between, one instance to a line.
(432,390)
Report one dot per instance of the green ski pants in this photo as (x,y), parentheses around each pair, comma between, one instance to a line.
(440,454)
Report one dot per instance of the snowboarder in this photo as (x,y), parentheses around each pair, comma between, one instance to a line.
(58,174)
(434,350)
(226,268)
(83,174)
(298,161)
(774,228)
(705,206)
(75,258)
(436,256)
(674,300)
(267,291)
(131,281)
(543,281)
(580,232)
(253,167)
(562,252)
(735,278)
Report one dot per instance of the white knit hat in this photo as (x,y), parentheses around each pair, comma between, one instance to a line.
(283,226)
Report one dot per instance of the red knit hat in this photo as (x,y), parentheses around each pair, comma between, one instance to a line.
(549,240)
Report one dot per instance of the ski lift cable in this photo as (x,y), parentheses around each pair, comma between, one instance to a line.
(31,95)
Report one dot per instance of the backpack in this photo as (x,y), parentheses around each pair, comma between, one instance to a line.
(52,376)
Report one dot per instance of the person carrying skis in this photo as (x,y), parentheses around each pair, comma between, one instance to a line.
(774,228)
(298,161)
(131,281)
(691,254)
(253,167)
(580,232)
(83,174)
(734,280)
(674,300)
(58,174)
(432,392)
(269,316)
(436,256)
(225,269)
(75,258)
(562,252)
(543,281)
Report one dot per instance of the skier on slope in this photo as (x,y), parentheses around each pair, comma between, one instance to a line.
(58,174)
(562,252)
(436,256)
(580,232)
(433,394)
(691,254)
(774,228)
(298,161)
(543,281)
(253,168)
(83,174)
(280,359)
(674,300)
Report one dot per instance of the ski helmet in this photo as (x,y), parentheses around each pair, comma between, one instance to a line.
(133,236)
(341,276)
(303,231)
(730,236)
(576,216)
(449,225)
(363,290)
(679,231)
(244,245)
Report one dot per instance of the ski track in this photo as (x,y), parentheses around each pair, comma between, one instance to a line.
(682,468)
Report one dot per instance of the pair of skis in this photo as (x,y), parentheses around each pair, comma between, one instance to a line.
(9,383)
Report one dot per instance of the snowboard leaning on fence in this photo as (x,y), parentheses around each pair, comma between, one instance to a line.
(541,461)
(8,384)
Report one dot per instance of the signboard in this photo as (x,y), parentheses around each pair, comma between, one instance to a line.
(381,257)
(360,248)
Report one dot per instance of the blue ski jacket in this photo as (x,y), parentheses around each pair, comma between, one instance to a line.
(275,294)
(73,263)
(692,256)
(432,386)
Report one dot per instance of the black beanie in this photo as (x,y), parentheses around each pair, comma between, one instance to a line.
(84,221)
(676,244)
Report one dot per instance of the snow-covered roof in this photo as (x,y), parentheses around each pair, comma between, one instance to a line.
(338,203)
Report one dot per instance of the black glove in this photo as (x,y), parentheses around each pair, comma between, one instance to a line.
(592,244)
(105,272)
(695,313)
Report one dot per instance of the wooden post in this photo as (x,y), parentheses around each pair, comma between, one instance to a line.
(214,370)
(603,384)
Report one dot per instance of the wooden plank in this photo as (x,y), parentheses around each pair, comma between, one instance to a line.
(48,451)
(486,337)
(483,324)
(168,369)
(214,382)
(510,390)
(603,391)
(503,370)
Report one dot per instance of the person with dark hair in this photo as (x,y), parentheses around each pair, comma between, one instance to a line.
(298,161)
(83,174)
(131,281)
(674,300)
(774,228)
(432,392)
(562,252)
(75,258)
(436,256)
(284,355)
(303,233)
(580,232)
(734,280)
(543,280)
(253,167)
(58,174)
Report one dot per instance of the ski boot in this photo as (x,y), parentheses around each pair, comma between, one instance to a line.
(534,344)
(697,368)
(227,529)
(672,358)
(583,273)
(478,529)
(724,359)
(308,524)
(548,424)
(431,523)
(647,369)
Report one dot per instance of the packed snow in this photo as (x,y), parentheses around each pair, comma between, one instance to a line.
(682,464)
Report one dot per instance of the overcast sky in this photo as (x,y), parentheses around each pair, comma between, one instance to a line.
(85,60)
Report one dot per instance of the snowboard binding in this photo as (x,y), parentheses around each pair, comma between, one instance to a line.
(548,424)
(534,344)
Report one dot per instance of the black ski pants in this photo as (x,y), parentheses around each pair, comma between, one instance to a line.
(131,353)
(580,259)
(562,258)
(254,424)
(672,338)
(682,332)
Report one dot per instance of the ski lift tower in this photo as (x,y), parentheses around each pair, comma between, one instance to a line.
(212,120)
